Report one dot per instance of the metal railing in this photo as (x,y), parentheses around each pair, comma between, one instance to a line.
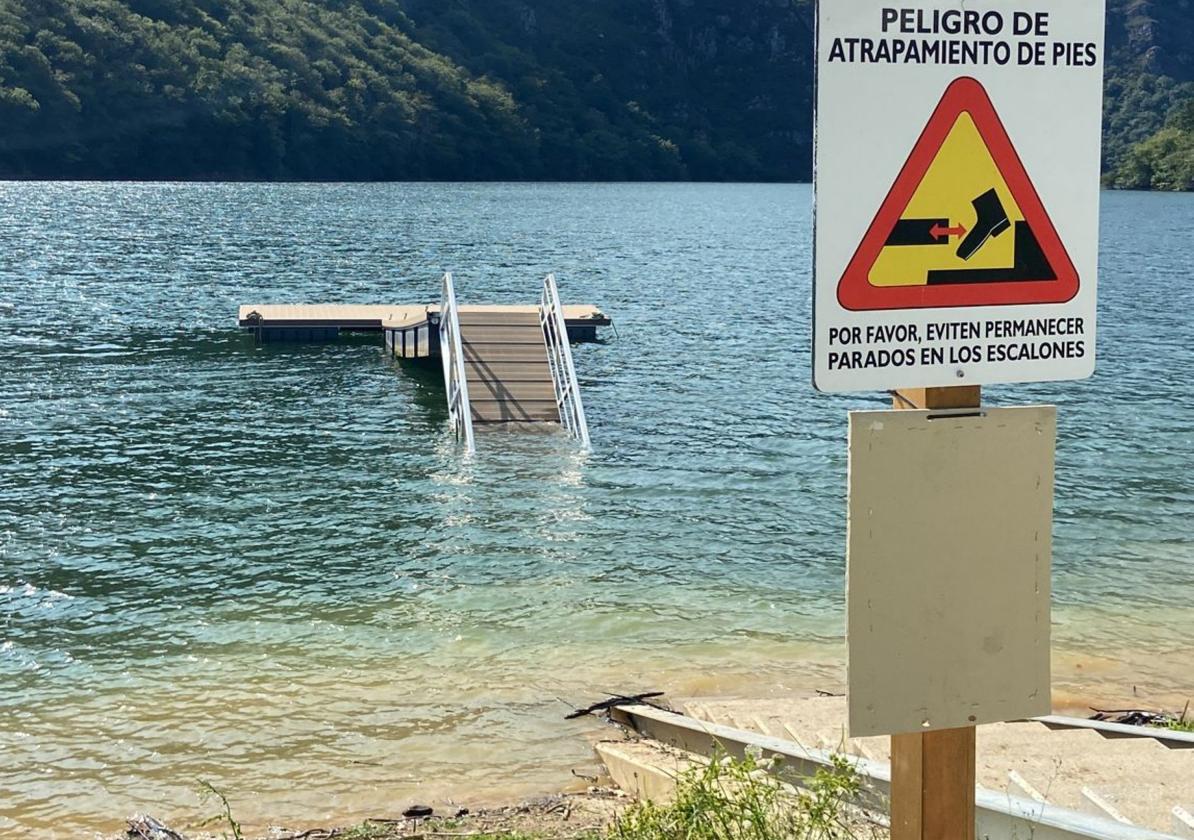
(455,377)
(559,357)
(998,815)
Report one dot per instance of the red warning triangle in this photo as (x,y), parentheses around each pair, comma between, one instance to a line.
(962,225)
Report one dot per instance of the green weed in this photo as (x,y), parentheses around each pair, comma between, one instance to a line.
(1179,723)
(208,790)
(364,831)
(744,800)
(518,835)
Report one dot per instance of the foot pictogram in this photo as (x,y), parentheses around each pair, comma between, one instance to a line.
(992,221)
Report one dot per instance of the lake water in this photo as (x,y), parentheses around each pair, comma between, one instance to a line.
(268,567)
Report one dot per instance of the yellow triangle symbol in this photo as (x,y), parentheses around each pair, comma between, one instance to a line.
(954,197)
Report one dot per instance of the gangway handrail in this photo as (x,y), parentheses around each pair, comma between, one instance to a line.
(455,377)
(559,357)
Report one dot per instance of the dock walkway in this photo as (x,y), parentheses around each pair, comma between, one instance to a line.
(279,322)
(511,362)
(505,359)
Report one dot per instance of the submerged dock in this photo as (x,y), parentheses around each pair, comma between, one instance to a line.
(502,363)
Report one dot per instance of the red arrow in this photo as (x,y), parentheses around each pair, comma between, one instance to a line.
(937,232)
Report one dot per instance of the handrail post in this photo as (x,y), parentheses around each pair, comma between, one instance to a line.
(451,351)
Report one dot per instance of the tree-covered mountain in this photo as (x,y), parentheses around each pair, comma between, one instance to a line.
(1165,161)
(1148,127)
(465,89)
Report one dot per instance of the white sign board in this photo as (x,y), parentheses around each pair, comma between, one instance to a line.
(948,558)
(957,192)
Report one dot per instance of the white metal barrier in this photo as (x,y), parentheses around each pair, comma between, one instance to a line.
(559,357)
(455,376)
(998,816)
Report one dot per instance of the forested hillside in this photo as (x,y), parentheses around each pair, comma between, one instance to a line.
(1149,126)
(473,89)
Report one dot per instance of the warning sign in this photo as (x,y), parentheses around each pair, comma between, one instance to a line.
(963,224)
(969,255)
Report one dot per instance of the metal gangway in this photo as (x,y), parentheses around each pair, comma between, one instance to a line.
(509,365)
(559,359)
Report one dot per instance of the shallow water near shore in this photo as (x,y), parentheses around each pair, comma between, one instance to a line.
(268,567)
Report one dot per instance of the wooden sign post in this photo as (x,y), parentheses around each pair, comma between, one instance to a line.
(948,550)
(933,773)
(932,785)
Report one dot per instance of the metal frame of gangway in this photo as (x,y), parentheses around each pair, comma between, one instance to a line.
(559,358)
(554,328)
(460,413)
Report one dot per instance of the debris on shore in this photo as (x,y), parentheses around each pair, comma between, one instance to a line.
(569,816)
(618,700)
(1146,717)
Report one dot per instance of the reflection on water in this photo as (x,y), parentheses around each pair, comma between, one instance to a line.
(267,567)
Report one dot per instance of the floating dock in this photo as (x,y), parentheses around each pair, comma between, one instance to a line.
(306,322)
(502,363)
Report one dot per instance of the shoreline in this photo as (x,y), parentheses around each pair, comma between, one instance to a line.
(583,788)
(590,812)
(475,765)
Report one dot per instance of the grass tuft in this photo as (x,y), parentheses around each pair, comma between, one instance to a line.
(1178,723)
(364,831)
(744,800)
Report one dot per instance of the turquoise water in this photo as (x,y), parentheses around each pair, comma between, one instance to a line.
(267,567)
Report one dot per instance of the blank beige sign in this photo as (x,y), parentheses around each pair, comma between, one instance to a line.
(949,547)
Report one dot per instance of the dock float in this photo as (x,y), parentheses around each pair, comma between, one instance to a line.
(502,363)
(311,322)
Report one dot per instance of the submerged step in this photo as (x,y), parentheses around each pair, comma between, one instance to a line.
(514,411)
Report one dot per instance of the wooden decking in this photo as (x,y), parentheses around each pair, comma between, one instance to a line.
(376,317)
(506,367)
